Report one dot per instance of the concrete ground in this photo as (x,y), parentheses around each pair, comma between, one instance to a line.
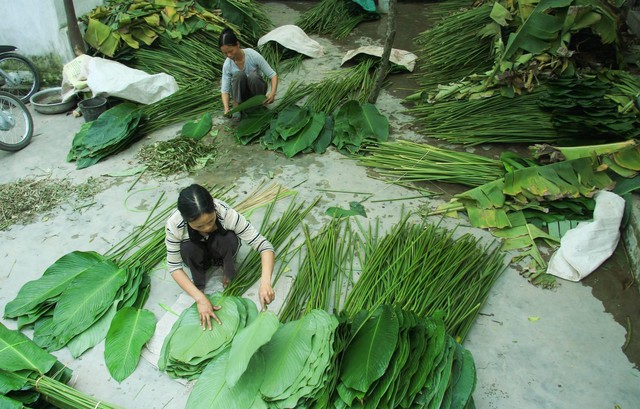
(533,348)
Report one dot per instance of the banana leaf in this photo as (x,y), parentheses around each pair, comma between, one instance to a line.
(17,352)
(212,391)
(197,129)
(54,280)
(293,353)
(130,329)
(8,403)
(355,123)
(247,342)
(94,334)
(86,298)
(115,129)
(368,355)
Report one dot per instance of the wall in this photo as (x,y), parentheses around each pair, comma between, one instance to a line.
(39,27)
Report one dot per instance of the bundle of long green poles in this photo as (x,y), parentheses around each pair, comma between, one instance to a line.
(341,85)
(324,274)
(279,234)
(495,119)
(405,161)
(453,48)
(64,396)
(423,268)
(334,17)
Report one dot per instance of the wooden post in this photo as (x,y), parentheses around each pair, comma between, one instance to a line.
(75,37)
(383,68)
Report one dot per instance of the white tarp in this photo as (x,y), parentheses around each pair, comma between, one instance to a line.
(110,78)
(400,57)
(585,247)
(293,38)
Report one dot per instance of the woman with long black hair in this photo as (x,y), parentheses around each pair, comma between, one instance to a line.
(204,231)
(243,73)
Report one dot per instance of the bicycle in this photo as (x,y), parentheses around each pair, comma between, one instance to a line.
(16,124)
(18,75)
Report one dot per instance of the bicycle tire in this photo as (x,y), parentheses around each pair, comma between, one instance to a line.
(25,71)
(16,123)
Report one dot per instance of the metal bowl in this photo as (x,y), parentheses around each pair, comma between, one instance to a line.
(49,101)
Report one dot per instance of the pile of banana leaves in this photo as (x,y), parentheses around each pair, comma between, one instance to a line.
(385,357)
(188,348)
(540,45)
(31,377)
(113,131)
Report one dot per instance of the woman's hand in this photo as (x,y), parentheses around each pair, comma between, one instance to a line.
(266,295)
(206,312)
(270,98)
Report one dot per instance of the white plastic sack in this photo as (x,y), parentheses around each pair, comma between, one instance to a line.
(111,78)
(403,58)
(293,38)
(585,247)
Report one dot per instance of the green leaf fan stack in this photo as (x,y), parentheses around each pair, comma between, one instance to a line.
(188,348)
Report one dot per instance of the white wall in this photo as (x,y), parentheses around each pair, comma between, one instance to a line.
(39,27)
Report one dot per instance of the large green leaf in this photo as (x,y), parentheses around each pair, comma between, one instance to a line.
(368,354)
(94,334)
(199,128)
(130,329)
(10,381)
(538,30)
(53,281)
(17,352)
(254,101)
(291,121)
(190,343)
(212,392)
(8,403)
(286,355)
(306,138)
(86,298)
(247,342)
(371,123)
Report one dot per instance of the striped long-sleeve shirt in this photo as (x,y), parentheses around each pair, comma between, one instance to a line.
(229,218)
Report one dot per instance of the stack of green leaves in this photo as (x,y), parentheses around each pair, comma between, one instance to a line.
(299,129)
(188,348)
(297,354)
(296,130)
(112,132)
(132,23)
(300,352)
(395,359)
(74,300)
(582,110)
(31,377)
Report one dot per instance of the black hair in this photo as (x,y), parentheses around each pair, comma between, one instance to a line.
(228,37)
(194,201)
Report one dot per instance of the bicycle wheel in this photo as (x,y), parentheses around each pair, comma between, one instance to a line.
(18,76)
(16,124)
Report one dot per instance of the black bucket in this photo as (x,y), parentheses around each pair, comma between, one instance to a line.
(92,108)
